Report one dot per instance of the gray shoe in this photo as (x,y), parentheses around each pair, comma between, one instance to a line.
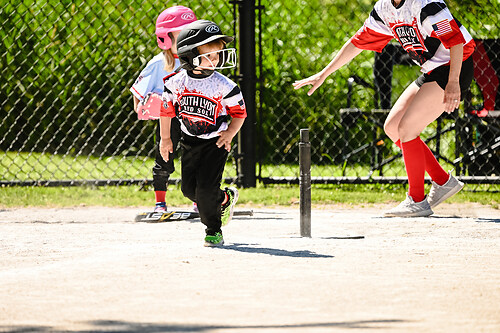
(440,193)
(410,208)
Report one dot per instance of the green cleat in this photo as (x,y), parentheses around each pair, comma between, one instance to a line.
(228,207)
(214,240)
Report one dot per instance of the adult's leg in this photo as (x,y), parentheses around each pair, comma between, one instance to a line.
(426,106)
(391,127)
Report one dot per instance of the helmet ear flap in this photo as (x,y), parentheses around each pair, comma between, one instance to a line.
(164,42)
(186,64)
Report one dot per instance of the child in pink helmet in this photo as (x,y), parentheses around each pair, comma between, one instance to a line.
(148,88)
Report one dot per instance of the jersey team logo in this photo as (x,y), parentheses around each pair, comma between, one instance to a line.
(409,36)
(199,107)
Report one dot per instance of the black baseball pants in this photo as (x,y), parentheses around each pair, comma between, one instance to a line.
(202,167)
(162,170)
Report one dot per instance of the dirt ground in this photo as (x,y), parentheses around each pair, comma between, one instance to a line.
(94,269)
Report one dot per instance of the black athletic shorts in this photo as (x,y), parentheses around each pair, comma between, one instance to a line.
(441,76)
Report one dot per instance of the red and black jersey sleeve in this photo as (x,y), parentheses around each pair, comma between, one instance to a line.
(374,35)
(167,105)
(234,103)
(438,22)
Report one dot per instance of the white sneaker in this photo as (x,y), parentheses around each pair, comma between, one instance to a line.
(440,193)
(410,208)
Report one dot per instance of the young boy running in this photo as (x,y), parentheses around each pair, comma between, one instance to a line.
(203,100)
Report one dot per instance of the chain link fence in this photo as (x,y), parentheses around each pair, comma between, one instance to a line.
(346,115)
(67,66)
(67,113)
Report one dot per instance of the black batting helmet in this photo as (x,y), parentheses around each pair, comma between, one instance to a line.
(197,33)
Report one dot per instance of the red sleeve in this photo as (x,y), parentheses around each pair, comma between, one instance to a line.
(168,111)
(368,39)
(237,111)
(452,38)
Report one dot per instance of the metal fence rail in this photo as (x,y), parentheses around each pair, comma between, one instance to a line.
(67,114)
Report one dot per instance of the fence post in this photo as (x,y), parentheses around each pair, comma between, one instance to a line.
(246,148)
(305,183)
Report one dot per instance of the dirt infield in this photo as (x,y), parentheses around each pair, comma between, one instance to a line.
(94,269)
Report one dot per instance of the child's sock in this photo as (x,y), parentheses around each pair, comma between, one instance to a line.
(160,196)
(414,158)
(432,166)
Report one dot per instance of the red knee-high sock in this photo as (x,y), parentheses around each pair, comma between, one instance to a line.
(160,196)
(414,157)
(432,166)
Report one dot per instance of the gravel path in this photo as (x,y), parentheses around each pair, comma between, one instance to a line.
(94,269)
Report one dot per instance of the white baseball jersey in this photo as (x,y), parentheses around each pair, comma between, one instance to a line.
(424,28)
(151,77)
(202,104)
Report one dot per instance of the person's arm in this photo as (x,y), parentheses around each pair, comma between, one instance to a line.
(346,54)
(166,146)
(225,137)
(451,97)
(136,102)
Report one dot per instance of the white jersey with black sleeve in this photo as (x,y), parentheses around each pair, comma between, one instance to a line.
(425,29)
(203,105)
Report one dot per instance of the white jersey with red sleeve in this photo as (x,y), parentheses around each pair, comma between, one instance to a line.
(203,105)
(425,29)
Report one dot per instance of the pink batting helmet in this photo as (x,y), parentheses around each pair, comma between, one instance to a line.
(172,19)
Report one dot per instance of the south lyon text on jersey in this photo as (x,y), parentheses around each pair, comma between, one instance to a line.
(202,105)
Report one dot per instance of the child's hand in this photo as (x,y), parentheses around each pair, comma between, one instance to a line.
(166,148)
(225,138)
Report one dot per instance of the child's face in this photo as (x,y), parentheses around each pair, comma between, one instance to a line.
(210,55)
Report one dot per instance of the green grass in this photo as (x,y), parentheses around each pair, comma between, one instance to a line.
(261,196)
(35,166)
(23,166)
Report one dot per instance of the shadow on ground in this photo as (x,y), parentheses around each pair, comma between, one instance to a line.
(126,327)
(250,248)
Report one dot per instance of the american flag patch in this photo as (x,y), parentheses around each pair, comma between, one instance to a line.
(442,27)
(241,104)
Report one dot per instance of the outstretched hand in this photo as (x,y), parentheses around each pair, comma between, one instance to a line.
(315,80)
